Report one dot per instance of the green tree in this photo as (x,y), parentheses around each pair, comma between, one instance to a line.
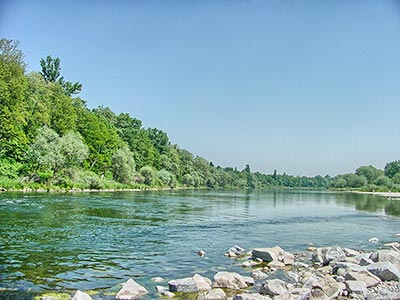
(165,177)
(51,72)
(73,149)
(148,174)
(369,172)
(123,166)
(13,84)
(392,168)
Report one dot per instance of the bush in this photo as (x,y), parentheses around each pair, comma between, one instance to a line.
(148,175)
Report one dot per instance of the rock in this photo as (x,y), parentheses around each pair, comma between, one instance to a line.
(350,252)
(258,275)
(247,296)
(230,254)
(161,289)
(328,285)
(229,280)
(214,294)
(293,276)
(339,279)
(202,283)
(365,261)
(79,295)
(276,254)
(386,255)
(356,287)
(168,294)
(346,265)
(49,296)
(364,276)
(157,279)
(249,280)
(238,251)
(385,271)
(276,264)
(286,296)
(273,287)
(201,253)
(184,285)
(373,240)
(248,264)
(315,294)
(325,255)
(131,290)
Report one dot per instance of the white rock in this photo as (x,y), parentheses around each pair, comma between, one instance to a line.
(273,287)
(373,240)
(229,280)
(184,285)
(258,275)
(356,287)
(131,290)
(157,279)
(203,284)
(214,294)
(79,295)
(248,296)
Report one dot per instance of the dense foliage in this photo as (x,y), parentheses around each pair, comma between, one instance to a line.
(50,139)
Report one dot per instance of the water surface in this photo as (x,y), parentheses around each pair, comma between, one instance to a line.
(98,240)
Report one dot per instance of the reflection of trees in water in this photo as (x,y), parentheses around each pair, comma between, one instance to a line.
(370,203)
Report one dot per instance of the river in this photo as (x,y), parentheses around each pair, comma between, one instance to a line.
(94,241)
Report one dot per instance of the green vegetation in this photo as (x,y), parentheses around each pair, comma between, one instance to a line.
(50,139)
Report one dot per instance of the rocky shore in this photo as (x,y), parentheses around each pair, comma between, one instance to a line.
(275,274)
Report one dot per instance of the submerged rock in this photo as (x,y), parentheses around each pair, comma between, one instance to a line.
(131,290)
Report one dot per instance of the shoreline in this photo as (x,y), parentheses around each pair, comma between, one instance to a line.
(389,195)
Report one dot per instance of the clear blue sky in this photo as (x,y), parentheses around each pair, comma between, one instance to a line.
(304,87)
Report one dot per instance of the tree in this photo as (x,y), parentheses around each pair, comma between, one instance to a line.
(392,168)
(51,71)
(148,174)
(123,166)
(165,177)
(13,84)
(45,153)
(369,172)
(73,149)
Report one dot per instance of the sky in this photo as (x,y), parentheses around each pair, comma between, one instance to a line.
(301,87)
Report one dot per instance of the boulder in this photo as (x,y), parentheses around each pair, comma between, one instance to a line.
(356,287)
(202,283)
(274,254)
(79,295)
(249,280)
(164,291)
(273,287)
(315,294)
(363,261)
(229,280)
(184,285)
(248,296)
(387,255)
(328,285)
(385,271)
(325,255)
(131,290)
(364,276)
(214,294)
(350,252)
(286,296)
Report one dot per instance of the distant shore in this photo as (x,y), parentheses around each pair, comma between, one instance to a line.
(391,195)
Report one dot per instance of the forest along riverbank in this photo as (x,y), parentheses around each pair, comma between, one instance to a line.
(390,195)
(318,274)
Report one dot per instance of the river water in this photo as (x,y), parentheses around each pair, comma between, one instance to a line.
(95,241)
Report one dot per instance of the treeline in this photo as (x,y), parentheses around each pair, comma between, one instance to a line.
(49,138)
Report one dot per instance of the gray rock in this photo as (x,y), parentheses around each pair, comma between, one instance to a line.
(315,294)
(161,289)
(258,275)
(273,287)
(274,254)
(293,276)
(184,285)
(385,271)
(157,279)
(249,280)
(365,261)
(214,294)
(131,290)
(386,255)
(238,251)
(329,286)
(364,276)
(286,296)
(350,252)
(356,287)
(229,280)
(79,295)
(248,296)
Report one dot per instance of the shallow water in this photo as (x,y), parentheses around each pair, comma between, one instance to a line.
(95,241)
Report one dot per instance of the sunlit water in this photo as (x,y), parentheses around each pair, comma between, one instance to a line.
(95,241)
